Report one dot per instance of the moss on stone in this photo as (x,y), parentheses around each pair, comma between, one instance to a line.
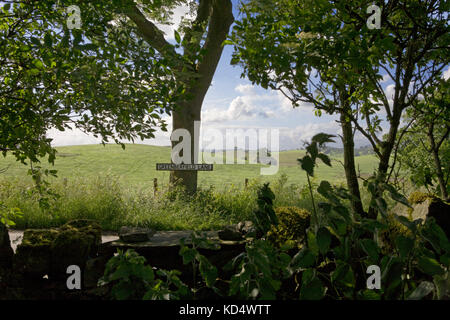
(51,251)
(419,197)
(291,228)
(38,237)
(389,236)
(86,226)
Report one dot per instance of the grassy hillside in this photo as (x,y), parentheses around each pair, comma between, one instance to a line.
(135,166)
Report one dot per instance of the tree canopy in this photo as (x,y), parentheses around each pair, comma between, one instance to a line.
(101,78)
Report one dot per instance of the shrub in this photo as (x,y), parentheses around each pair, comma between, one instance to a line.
(292,225)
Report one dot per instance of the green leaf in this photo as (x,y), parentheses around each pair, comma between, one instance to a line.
(322,138)
(48,40)
(325,159)
(343,275)
(312,243)
(207,270)
(227,42)
(303,259)
(177,36)
(307,164)
(313,290)
(324,188)
(188,254)
(371,248)
(312,150)
(404,245)
(430,266)
(323,239)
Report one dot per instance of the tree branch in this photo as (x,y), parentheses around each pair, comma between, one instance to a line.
(150,32)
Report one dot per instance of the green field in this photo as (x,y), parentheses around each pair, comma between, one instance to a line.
(136,166)
(115,187)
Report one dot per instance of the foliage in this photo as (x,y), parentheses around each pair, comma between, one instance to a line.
(292,225)
(51,74)
(323,52)
(265,215)
(394,232)
(9,215)
(308,162)
(260,271)
(100,78)
(192,256)
(131,279)
(424,148)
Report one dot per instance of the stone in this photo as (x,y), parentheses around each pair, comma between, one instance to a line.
(50,251)
(94,270)
(429,207)
(87,227)
(247,228)
(6,252)
(134,234)
(437,209)
(230,233)
(76,242)
(32,258)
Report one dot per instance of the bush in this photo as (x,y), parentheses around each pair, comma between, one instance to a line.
(291,228)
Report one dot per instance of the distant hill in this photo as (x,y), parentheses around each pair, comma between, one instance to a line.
(361,151)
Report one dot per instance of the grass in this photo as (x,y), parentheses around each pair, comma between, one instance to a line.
(115,187)
(136,166)
(113,204)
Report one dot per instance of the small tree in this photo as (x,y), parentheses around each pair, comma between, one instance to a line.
(308,162)
(425,148)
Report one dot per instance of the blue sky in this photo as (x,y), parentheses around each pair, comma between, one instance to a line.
(233,102)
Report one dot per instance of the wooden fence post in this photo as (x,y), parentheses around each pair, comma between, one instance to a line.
(246,183)
(155,186)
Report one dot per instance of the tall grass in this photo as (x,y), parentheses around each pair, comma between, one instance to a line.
(114,204)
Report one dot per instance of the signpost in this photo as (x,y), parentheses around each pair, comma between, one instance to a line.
(183,167)
(179,167)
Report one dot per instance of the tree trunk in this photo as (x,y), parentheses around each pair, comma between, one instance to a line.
(386,152)
(349,164)
(189,111)
(184,118)
(437,162)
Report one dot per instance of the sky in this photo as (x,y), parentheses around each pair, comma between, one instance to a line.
(233,102)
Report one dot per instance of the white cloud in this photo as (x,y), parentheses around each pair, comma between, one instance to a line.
(245,88)
(241,108)
(446,74)
(386,78)
(178,14)
(252,105)
(71,137)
